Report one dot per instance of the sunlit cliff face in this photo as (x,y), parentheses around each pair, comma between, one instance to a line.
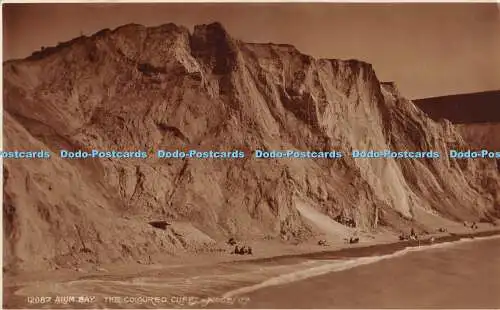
(139,88)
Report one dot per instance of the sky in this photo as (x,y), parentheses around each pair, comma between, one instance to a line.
(428,49)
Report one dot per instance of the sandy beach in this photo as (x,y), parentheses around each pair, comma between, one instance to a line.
(347,277)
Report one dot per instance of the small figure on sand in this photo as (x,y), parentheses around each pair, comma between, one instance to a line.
(474,225)
(243,250)
(322,242)
(354,240)
(413,235)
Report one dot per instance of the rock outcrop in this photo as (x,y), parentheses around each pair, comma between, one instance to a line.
(138,88)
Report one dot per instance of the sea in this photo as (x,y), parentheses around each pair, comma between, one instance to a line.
(462,274)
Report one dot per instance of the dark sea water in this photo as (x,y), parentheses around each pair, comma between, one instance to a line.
(451,275)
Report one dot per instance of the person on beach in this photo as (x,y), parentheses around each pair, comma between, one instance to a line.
(413,235)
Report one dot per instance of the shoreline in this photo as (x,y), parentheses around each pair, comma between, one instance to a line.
(379,248)
(352,253)
(453,276)
(230,268)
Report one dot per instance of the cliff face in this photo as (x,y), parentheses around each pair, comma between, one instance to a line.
(137,88)
(481,135)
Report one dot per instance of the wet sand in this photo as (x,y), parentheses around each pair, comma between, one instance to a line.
(379,249)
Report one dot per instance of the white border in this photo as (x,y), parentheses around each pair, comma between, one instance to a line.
(248,1)
(164,1)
